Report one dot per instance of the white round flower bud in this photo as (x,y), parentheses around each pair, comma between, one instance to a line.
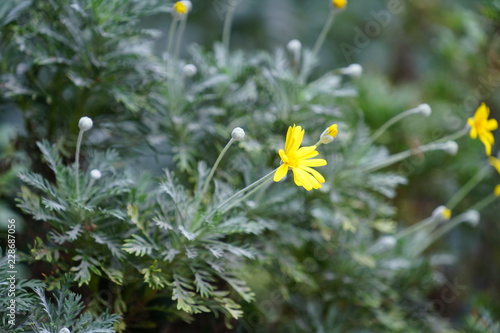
(424,109)
(353,70)
(95,174)
(64,330)
(190,70)
(472,217)
(238,133)
(85,123)
(294,46)
(450,147)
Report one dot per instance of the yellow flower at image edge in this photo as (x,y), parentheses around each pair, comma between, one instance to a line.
(339,3)
(481,126)
(495,162)
(180,7)
(497,190)
(300,160)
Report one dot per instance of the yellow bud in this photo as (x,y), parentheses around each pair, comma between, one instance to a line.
(180,8)
(339,3)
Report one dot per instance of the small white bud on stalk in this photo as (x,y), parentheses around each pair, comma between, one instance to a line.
(450,147)
(190,70)
(472,217)
(353,70)
(85,123)
(64,330)
(238,134)
(294,46)
(424,109)
(95,174)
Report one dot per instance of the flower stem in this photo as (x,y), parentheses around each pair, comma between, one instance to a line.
(227,204)
(264,181)
(171,34)
(403,155)
(416,227)
(214,167)
(484,202)
(228,20)
(391,122)
(468,187)
(454,136)
(77,163)
(324,32)
(180,33)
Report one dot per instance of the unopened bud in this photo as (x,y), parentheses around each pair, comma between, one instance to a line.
(441,213)
(238,134)
(95,174)
(450,147)
(85,123)
(472,217)
(353,70)
(329,134)
(294,46)
(424,109)
(190,70)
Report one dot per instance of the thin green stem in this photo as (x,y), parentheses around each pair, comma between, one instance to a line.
(454,136)
(481,204)
(180,34)
(77,163)
(171,34)
(476,179)
(403,155)
(440,232)
(265,180)
(228,20)
(214,167)
(237,194)
(391,122)
(416,227)
(324,33)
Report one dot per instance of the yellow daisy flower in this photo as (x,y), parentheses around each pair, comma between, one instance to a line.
(299,160)
(481,126)
(339,3)
(495,162)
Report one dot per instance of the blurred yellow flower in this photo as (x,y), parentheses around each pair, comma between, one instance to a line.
(339,3)
(495,162)
(299,160)
(481,126)
(497,190)
(180,8)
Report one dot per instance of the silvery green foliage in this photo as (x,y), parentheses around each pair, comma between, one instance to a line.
(301,262)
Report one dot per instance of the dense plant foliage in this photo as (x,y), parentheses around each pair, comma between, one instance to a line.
(167,217)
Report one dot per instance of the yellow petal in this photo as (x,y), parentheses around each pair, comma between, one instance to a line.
(316,162)
(283,156)
(302,178)
(497,190)
(482,112)
(491,125)
(305,153)
(280,172)
(313,172)
(487,145)
(495,162)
